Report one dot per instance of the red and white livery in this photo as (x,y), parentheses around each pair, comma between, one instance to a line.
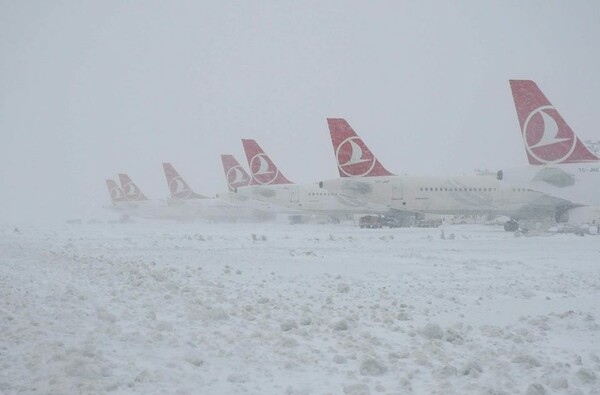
(353,157)
(262,168)
(363,176)
(116,193)
(131,190)
(547,137)
(180,190)
(559,163)
(235,174)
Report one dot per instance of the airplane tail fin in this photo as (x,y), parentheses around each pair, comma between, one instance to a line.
(353,157)
(115,192)
(262,168)
(547,137)
(235,174)
(131,191)
(179,189)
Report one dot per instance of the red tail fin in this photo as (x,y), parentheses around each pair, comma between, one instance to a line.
(353,157)
(234,173)
(262,168)
(547,137)
(177,185)
(115,192)
(132,192)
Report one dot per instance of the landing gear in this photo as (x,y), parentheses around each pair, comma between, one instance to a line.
(511,226)
(561,215)
(334,220)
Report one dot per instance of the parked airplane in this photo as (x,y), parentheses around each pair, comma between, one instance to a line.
(363,176)
(190,205)
(117,196)
(548,139)
(268,184)
(559,163)
(245,188)
(129,201)
(131,190)
(237,178)
(180,190)
(235,174)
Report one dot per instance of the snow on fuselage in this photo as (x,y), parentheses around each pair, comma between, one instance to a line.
(447,195)
(303,198)
(578,183)
(148,209)
(216,208)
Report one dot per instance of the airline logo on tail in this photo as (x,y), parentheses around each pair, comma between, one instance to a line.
(263,170)
(177,185)
(235,173)
(115,192)
(353,157)
(548,138)
(132,192)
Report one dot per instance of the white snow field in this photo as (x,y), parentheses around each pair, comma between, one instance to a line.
(159,308)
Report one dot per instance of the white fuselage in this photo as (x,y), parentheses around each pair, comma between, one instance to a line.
(183,209)
(305,198)
(447,195)
(211,208)
(578,183)
(148,209)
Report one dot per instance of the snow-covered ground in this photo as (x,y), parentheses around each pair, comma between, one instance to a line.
(154,308)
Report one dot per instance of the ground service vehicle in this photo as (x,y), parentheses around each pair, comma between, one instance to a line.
(370,221)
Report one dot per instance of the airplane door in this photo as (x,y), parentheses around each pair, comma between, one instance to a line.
(397,192)
(294,194)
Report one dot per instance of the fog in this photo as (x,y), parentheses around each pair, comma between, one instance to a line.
(91,89)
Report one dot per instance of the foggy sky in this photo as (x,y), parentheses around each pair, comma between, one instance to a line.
(91,89)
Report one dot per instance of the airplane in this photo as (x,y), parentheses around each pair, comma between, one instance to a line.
(131,190)
(117,195)
(117,198)
(247,188)
(180,190)
(547,137)
(363,176)
(235,174)
(560,164)
(190,205)
(268,184)
(129,201)
(238,180)
(237,177)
